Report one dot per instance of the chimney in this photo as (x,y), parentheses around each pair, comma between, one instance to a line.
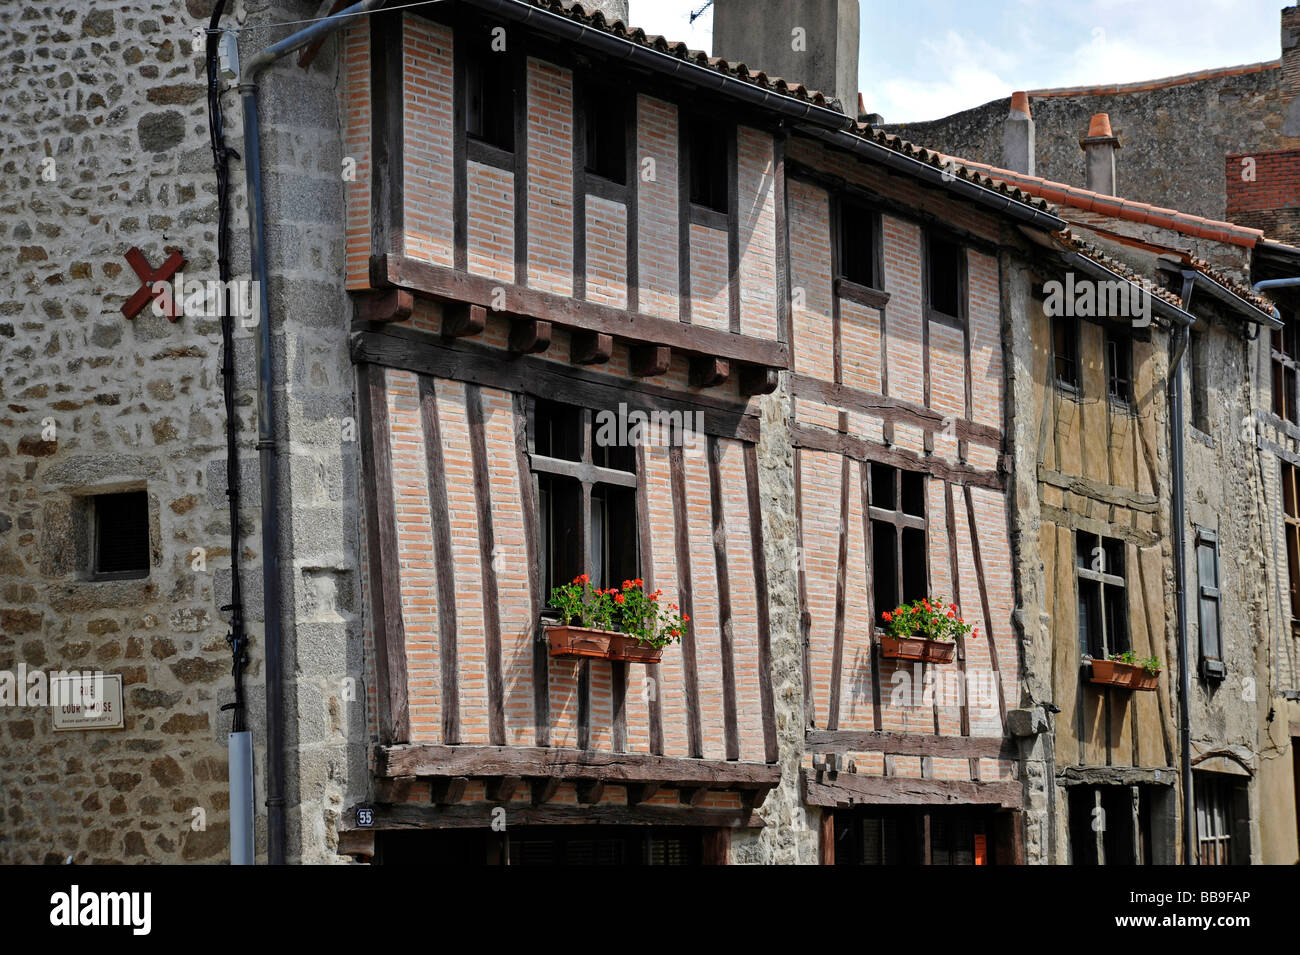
(1099,155)
(1018,136)
(812,42)
(1291,70)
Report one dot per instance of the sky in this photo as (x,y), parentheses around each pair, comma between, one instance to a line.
(922,59)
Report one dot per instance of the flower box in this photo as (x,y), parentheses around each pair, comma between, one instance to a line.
(1124,676)
(915,648)
(631,650)
(580,642)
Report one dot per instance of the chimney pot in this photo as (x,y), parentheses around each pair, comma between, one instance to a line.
(1099,155)
(1018,144)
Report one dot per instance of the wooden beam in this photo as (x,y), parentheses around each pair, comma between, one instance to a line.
(447,790)
(395,305)
(709,371)
(462,321)
(819,439)
(591,348)
(381,545)
(826,838)
(726,631)
(448,285)
(910,744)
(717,847)
(435,760)
(756,380)
(440,524)
(841,596)
(543,790)
(357,842)
(388,137)
(645,537)
(487,565)
(650,361)
(531,519)
(529,336)
(414,816)
(590,791)
(501,788)
(641,792)
(847,789)
(692,795)
(766,702)
(395,346)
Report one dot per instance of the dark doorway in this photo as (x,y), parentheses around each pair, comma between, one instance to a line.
(914,835)
(1112,825)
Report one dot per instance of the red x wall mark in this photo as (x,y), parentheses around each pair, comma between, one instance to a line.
(148,276)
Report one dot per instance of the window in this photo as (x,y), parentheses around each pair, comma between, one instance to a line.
(120,541)
(1207,572)
(898,550)
(1103,600)
(1221,815)
(489,92)
(1119,366)
(1112,825)
(1065,351)
(945,261)
(1286,352)
(605,118)
(857,241)
(890,835)
(1291,518)
(586,499)
(707,148)
(1198,358)
(545,845)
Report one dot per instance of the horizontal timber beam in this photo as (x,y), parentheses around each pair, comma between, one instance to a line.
(851,789)
(819,439)
(415,816)
(448,285)
(910,744)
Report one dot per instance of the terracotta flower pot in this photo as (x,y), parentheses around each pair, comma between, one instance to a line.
(580,642)
(1125,676)
(940,651)
(908,648)
(631,650)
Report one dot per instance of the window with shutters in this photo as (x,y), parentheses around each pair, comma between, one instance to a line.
(899,565)
(1103,597)
(1207,574)
(119,545)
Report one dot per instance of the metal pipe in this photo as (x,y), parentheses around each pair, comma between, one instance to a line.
(266,443)
(1175,382)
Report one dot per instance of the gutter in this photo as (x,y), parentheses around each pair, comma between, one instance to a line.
(1175,383)
(266,443)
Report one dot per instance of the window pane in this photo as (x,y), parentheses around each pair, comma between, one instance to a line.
(857,244)
(944,260)
(708,161)
(1090,643)
(606,123)
(913,493)
(1086,550)
(915,578)
(1116,619)
(122,533)
(557,430)
(882,486)
(884,566)
(1065,350)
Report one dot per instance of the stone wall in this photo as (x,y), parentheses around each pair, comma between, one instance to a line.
(106,147)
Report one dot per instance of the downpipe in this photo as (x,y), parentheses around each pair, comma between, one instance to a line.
(1175,383)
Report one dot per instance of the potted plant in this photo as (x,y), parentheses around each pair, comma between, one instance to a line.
(922,631)
(1126,671)
(612,624)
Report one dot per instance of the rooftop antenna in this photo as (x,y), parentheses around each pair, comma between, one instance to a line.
(700,12)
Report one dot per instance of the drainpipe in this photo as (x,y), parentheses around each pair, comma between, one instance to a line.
(1180,602)
(266,444)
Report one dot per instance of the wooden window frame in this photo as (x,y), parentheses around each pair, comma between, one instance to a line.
(1285,362)
(588,476)
(867,293)
(1101,579)
(1074,331)
(591,91)
(1290,483)
(702,213)
(467,59)
(960,320)
(900,520)
(1213,666)
(1119,390)
(94,540)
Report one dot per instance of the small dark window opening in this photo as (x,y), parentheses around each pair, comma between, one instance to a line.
(489,92)
(1207,571)
(587,513)
(1065,351)
(900,565)
(1285,354)
(1103,597)
(944,262)
(857,239)
(707,146)
(605,119)
(1199,358)
(121,535)
(1119,366)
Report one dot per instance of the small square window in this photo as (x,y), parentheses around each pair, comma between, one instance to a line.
(943,271)
(121,535)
